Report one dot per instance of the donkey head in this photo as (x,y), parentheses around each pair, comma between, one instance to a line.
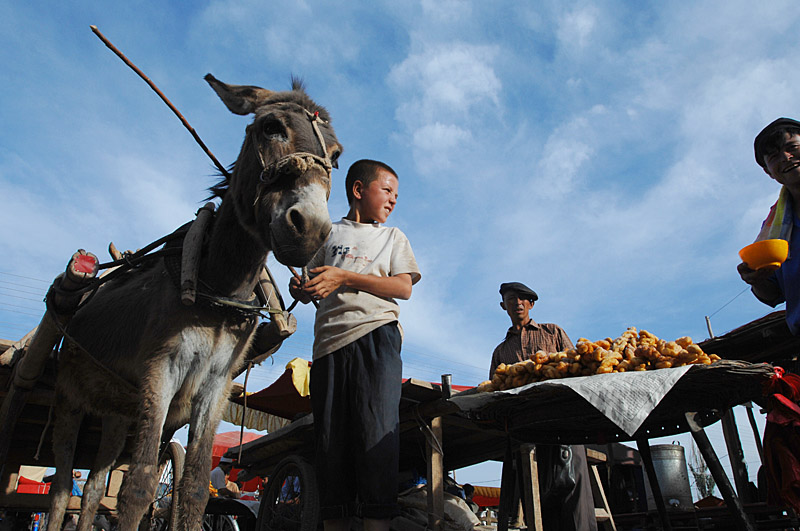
(281,181)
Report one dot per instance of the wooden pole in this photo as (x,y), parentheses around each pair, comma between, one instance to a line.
(190,256)
(655,488)
(508,489)
(736,455)
(529,479)
(161,95)
(757,436)
(81,270)
(435,477)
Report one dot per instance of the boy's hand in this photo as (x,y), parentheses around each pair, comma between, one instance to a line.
(296,290)
(327,279)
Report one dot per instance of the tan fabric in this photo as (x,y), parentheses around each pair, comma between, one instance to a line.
(254,419)
(533,337)
(369,249)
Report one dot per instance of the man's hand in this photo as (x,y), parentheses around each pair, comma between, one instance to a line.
(753,276)
(763,287)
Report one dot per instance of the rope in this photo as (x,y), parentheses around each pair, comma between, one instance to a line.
(730,301)
(430,437)
(244,409)
(41,437)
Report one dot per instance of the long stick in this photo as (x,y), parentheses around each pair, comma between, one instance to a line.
(141,74)
(298,277)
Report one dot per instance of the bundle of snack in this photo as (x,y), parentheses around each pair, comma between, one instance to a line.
(632,351)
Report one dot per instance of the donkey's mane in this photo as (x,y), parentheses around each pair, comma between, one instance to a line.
(296,95)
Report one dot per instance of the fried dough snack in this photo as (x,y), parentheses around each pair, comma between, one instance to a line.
(632,351)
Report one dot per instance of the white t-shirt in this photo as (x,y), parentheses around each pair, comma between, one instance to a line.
(369,249)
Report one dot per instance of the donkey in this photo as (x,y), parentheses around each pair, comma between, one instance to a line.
(136,357)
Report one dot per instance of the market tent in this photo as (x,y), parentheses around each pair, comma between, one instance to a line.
(287,396)
(228,439)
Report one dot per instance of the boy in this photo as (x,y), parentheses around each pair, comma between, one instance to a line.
(777,151)
(356,375)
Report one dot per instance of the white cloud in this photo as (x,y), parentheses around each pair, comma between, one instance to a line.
(437,144)
(445,83)
(446,10)
(575,28)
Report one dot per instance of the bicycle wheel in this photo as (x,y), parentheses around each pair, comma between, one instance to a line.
(291,500)
(219,522)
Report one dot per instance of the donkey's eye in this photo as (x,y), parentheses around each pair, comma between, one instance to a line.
(273,129)
(335,158)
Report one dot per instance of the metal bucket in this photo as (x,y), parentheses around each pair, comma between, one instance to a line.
(669,461)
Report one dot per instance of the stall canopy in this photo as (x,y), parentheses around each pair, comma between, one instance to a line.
(287,396)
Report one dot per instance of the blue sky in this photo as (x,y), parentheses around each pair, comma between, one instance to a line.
(600,152)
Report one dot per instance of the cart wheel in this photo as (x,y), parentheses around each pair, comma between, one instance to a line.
(164,513)
(291,500)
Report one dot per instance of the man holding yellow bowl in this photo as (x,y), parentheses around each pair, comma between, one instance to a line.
(777,151)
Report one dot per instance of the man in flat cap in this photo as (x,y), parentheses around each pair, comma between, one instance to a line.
(777,151)
(525,336)
(565,491)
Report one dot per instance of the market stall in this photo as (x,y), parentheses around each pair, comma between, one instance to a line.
(440,433)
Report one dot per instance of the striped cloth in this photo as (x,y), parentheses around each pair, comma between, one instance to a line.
(780,220)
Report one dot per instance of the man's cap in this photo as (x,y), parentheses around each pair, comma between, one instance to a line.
(757,144)
(520,288)
(223,460)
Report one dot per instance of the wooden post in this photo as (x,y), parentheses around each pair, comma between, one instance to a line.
(81,269)
(723,484)
(756,435)
(435,477)
(529,479)
(655,488)
(508,489)
(736,455)
(190,255)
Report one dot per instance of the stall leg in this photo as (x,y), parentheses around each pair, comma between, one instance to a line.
(508,490)
(647,459)
(435,478)
(756,435)
(723,484)
(736,455)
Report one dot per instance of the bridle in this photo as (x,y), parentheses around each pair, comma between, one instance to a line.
(297,163)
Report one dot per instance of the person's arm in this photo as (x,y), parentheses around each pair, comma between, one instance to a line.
(328,279)
(494,364)
(566,342)
(762,284)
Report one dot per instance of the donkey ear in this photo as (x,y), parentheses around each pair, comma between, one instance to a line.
(240,99)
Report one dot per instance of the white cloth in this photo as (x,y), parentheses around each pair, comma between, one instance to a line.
(369,249)
(217,478)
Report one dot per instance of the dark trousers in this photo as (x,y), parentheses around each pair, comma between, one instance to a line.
(355,397)
(566,493)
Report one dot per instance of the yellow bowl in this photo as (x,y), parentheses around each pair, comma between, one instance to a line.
(765,254)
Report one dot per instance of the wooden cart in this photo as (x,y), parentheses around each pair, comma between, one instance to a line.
(27,393)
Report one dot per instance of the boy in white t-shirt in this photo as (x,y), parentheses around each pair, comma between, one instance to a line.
(357,371)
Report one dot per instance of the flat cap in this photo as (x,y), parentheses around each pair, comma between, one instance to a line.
(520,288)
(760,137)
(223,460)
